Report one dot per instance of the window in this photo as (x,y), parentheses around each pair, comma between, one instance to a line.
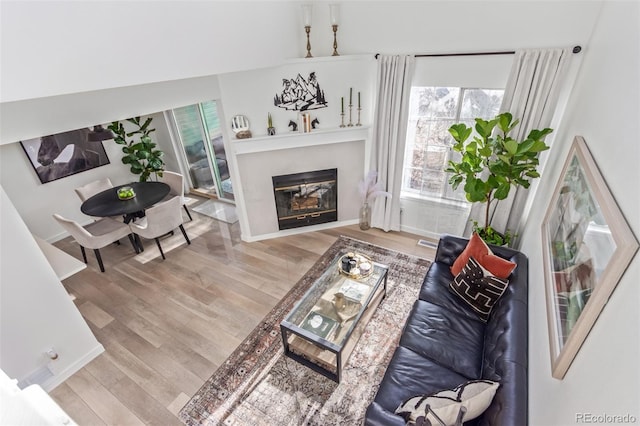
(198,128)
(428,149)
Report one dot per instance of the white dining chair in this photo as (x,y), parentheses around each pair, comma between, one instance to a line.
(160,220)
(176,183)
(96,235)
(92,188)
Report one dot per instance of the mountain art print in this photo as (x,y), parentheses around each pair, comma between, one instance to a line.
(299,94)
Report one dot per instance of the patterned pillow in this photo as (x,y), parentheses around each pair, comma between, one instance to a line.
(478,288)
(475,396)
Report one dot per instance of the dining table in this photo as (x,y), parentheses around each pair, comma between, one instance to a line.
(108,204)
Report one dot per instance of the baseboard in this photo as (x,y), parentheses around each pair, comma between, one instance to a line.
(51,383)
(296,231)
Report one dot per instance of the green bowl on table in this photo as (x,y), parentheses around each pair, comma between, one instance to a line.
(126,193)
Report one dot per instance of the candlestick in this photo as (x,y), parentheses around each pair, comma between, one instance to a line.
(358,123)
(350,122)
(342,119)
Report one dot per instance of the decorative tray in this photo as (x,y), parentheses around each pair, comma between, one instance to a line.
(355,265)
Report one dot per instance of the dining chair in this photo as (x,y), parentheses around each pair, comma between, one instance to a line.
(176,183)
(96,235)
(92,188)
(160,220)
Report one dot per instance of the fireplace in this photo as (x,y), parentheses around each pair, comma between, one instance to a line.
(308,198)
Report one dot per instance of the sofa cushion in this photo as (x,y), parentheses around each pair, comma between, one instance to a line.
(435,289)
(450,340)
(480,251)
(478,290)
(410,374)
(474,396)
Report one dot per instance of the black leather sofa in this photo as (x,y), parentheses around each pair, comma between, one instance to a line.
(444,344)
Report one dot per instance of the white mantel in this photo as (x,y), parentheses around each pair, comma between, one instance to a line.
(259,159)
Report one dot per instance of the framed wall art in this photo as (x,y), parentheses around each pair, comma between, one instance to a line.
(587,247)
(64,154)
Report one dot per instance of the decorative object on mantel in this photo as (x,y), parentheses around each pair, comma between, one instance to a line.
(299,94)
(240,126)
(490,164)
(270,129)
(359,109)
(369,189)
(293,125)
(306,15)
(333,12)
(140,153)
(587,247)
(350,109)
(64,154)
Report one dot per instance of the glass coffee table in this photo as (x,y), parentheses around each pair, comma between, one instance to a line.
(325,325)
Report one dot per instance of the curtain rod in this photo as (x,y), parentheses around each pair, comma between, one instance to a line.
(576,49)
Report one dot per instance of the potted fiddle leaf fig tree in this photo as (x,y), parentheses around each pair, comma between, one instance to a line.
(491,163)
(140,153)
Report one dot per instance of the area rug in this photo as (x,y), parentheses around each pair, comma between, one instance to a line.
(218,210)
(258,385)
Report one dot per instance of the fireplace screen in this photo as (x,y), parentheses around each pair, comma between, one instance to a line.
(307,198)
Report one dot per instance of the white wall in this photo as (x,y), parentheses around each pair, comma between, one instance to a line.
(58,47)
(36,313)
(604,108)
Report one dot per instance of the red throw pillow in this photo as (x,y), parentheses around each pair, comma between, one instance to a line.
(480,251)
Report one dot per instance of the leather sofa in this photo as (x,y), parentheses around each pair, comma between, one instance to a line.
(444,344)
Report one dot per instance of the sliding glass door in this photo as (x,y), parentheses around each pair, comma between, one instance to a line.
(201,140)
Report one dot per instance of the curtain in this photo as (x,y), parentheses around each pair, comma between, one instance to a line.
(389,135)
(531,95)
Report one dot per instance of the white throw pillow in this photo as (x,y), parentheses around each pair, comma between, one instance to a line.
(475,396)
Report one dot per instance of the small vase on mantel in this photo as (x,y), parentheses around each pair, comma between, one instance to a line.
(365,217)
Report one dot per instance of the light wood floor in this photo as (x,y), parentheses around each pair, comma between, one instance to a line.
(166,326)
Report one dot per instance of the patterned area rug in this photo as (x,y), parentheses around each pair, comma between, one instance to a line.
(258,385)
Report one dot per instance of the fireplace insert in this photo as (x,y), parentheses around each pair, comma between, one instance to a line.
(307,198)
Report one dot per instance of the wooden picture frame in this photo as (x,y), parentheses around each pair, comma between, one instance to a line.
(64,154)
(587,246)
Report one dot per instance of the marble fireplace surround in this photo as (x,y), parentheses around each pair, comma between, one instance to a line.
(258,159)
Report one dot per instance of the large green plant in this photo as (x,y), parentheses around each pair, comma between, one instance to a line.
(140,152)
(493,162)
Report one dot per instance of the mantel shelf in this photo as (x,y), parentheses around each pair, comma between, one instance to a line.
(299,139)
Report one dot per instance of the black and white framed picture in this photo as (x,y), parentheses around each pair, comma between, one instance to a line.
(300,94)
(64,154)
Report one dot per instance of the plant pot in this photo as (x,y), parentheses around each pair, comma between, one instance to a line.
(365,217)
(271,131)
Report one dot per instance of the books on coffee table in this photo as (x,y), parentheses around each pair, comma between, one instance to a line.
(319,324)
(355,290)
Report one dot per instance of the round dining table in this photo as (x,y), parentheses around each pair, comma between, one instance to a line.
(107,203)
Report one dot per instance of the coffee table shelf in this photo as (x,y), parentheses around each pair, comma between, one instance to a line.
(325,325)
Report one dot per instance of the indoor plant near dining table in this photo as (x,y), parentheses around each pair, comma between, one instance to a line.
(491,163)
(140,153)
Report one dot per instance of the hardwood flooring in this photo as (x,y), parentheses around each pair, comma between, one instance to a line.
(166,326)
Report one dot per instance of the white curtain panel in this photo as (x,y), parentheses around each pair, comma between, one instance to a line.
(389,135)
(531,95)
